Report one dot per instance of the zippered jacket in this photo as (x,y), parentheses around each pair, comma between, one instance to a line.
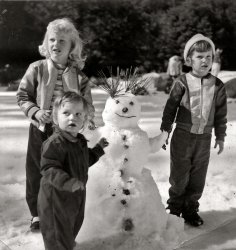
(37,85)
(197,105)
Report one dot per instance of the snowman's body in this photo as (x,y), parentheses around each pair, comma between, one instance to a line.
(129,149)
(122,195)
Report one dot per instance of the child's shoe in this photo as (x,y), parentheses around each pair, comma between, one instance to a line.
(169,211)
(35,224)
(174,211)
(193,218)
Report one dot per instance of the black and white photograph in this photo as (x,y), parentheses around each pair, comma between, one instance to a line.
(117,125)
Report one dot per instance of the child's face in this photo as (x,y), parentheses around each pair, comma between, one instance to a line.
(59,46)
(201,62)
(70,117)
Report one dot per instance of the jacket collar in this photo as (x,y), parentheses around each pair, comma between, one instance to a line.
(68,136)
(206,76)
(70,66)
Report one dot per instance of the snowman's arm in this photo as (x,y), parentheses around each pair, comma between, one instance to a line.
(158,141)
(92,136)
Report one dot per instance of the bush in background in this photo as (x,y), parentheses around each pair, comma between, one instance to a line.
(120,33)
(231,88)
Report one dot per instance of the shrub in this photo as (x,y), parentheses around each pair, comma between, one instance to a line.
(231,88)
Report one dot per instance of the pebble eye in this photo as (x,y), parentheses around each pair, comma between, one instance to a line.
(117,101)
(131,103)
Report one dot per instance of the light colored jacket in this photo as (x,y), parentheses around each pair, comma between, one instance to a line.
(197,105)
(37,86)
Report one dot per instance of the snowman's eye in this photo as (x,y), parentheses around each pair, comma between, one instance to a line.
(131,103)
(117,101)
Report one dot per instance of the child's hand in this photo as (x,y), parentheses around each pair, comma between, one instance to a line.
(158,142)
(91,125)
(103,142)
(166,135)
(43,116)
(77,186)
(221,146)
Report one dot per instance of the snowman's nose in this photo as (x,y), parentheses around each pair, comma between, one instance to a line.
(124,110)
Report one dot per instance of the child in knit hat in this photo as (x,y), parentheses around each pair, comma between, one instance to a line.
(197,104)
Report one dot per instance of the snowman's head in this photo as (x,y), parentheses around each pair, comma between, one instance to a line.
(122,111)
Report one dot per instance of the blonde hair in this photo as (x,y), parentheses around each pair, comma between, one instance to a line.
(65,25)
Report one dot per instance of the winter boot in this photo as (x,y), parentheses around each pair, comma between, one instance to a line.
(192,218)
(173,211)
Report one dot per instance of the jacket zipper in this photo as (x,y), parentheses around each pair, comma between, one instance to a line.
(201,102)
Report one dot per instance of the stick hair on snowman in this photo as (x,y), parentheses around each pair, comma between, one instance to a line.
(122,109)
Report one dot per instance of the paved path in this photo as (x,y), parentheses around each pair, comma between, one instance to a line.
(221,238)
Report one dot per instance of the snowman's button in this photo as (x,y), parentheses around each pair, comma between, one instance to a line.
(126,146)
(121,172)
(123,137)
(128,224)
(126,191)
(125,159)
(123,202)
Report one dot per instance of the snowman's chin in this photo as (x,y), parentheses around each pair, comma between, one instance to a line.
(125,116)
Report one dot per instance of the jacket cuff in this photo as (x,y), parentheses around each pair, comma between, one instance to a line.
(32,111)
(98,150)
(166,127)
(220,137)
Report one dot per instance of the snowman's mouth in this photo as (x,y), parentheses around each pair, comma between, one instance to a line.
(125,116)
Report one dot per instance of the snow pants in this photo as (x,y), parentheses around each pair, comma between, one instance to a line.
(61,216)
(190,154)
(33,176)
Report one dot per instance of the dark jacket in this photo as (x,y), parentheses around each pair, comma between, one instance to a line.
(65,160)
(197,105)
(64,164)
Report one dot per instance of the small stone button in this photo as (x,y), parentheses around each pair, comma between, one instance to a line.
(123,202)
(126,191)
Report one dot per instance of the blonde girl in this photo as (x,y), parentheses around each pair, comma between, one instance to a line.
(42,83)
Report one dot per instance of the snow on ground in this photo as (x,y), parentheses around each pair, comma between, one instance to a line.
(226,75)
(218,204)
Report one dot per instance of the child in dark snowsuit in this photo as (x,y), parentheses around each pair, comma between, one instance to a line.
(65,161)
(197,103)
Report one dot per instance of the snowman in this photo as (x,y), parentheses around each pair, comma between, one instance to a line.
(122,196)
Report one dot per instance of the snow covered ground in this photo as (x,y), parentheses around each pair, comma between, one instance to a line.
(218,204)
